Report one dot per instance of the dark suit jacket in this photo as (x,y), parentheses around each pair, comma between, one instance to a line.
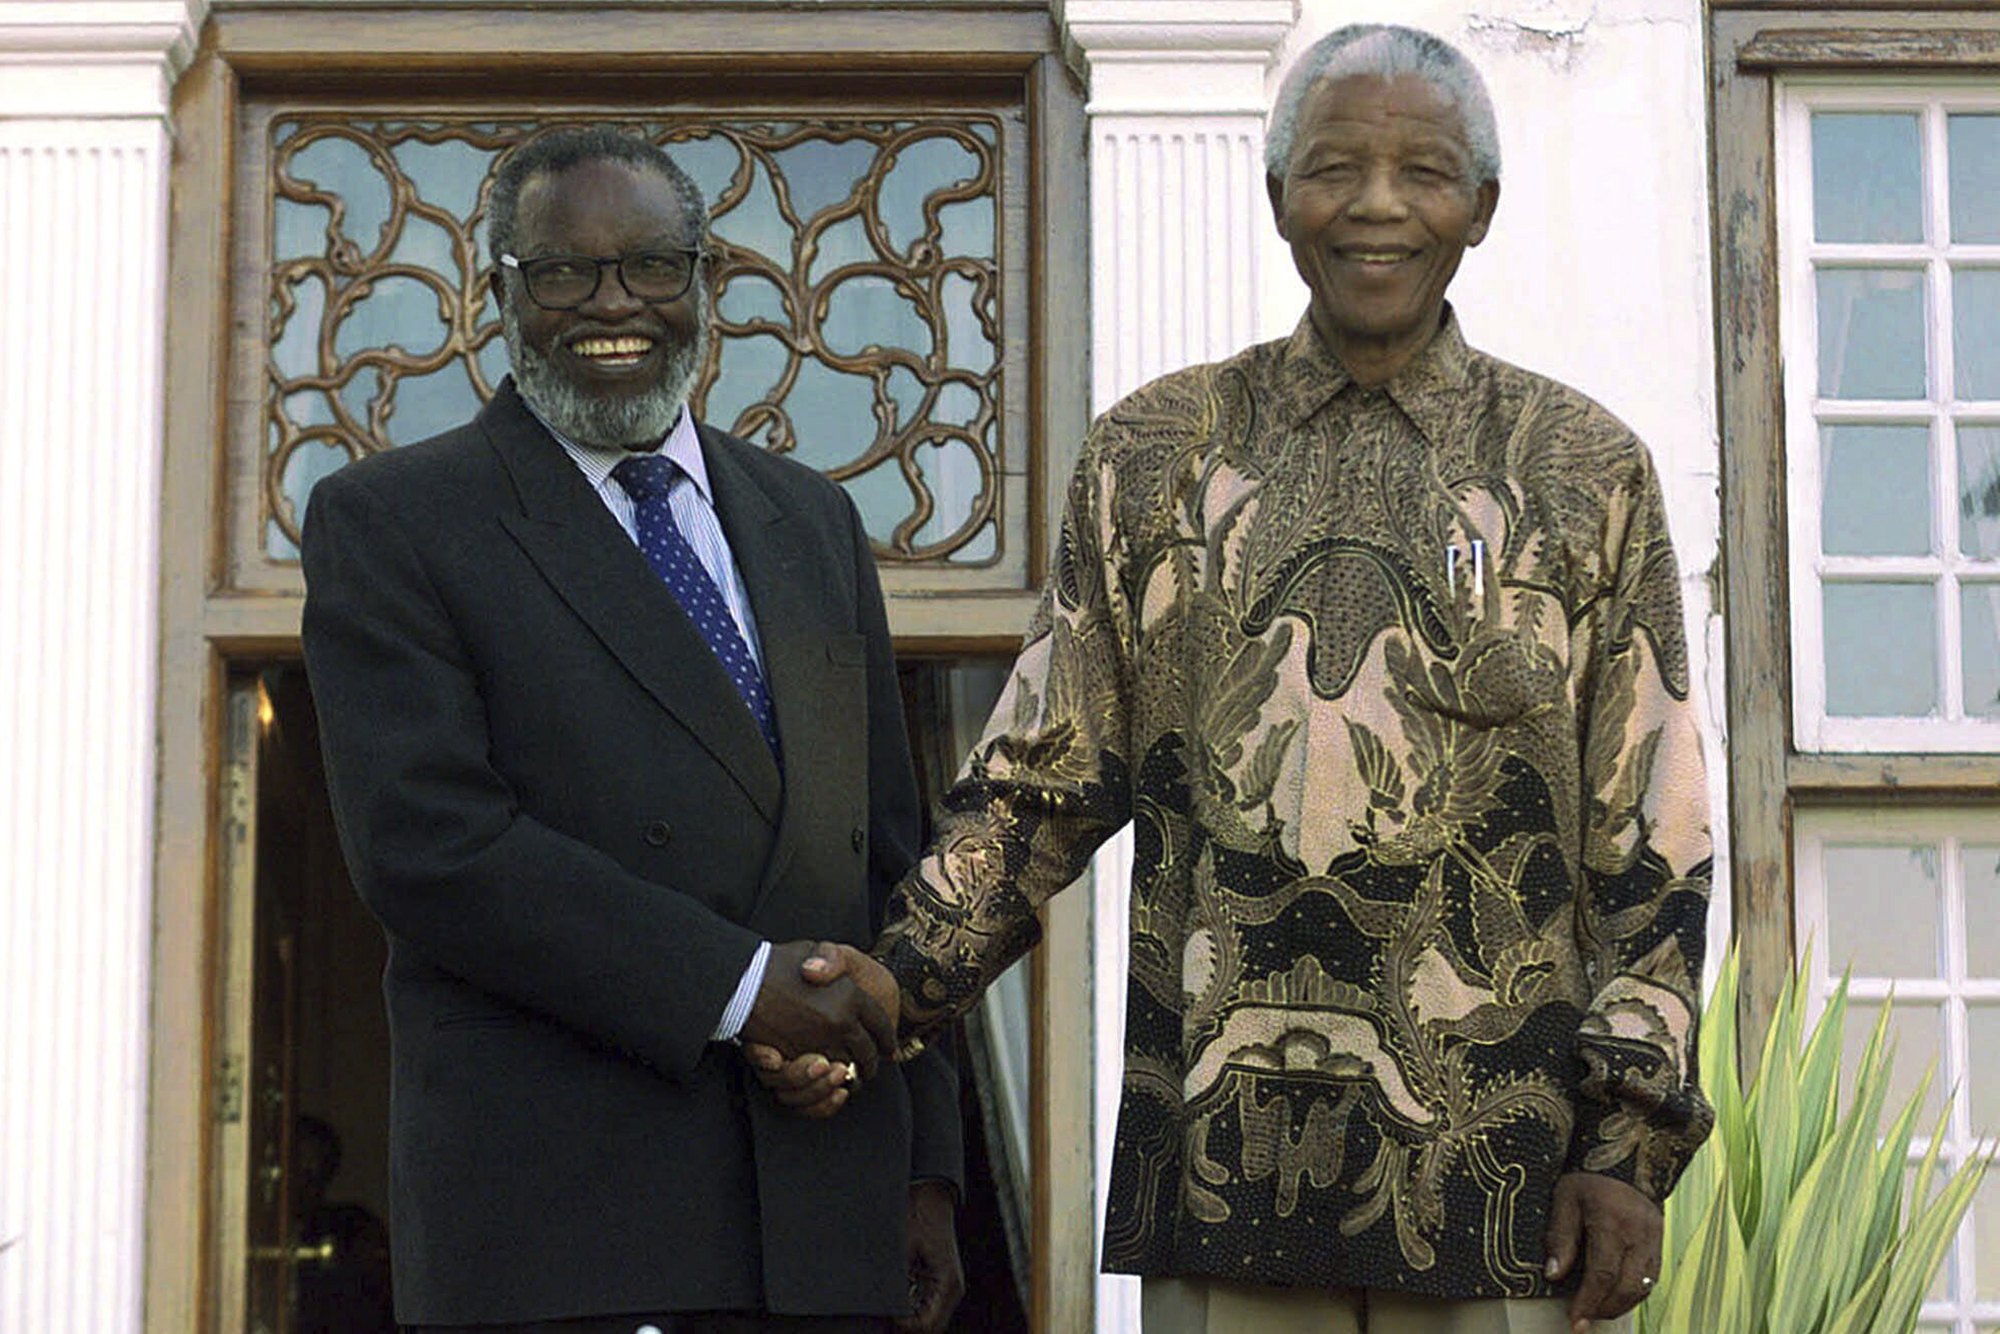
(555,801)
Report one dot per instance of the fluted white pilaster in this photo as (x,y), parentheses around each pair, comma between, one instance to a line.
(1178,235)
(1178,218)
(83,158)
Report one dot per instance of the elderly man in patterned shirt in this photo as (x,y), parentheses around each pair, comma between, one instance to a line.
(1377,641)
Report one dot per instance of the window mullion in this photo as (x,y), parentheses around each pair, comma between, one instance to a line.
(1951,880)
(1958,1065)
(1944,370)
(1799,341)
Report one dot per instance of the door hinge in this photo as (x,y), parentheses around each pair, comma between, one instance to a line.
(229,1090)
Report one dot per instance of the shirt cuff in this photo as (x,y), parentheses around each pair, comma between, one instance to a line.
(737,1012)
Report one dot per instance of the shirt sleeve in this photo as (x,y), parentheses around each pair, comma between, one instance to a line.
(1642,915)
(737,1012)
(1046,784)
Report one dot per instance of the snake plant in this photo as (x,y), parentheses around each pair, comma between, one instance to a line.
(1798,1215)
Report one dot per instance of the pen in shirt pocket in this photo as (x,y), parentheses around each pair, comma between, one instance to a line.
(1477,560)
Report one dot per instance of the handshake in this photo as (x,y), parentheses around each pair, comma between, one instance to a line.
(825,1018)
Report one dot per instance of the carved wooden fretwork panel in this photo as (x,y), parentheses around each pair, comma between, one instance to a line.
(856,289)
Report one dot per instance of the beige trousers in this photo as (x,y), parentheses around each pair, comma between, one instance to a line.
(1213,1306)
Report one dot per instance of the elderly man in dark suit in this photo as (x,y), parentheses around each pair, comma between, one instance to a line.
(608,707)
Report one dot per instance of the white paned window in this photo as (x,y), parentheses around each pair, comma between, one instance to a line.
(1889,240)
(1909,900)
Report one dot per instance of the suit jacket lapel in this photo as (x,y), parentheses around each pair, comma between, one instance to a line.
(763,535)
(599,572)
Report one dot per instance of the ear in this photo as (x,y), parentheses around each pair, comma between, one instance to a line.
(1485,200)
(1276,189)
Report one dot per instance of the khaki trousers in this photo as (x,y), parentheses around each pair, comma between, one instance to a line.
(1213,1306)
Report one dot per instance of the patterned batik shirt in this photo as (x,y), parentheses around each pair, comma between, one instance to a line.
(1392,684)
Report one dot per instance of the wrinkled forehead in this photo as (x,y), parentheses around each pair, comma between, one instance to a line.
(592,205)
(1405,109)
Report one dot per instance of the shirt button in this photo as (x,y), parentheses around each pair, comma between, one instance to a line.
(857,838)
(659,833)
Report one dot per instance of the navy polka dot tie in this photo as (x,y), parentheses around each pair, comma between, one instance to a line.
(648,480)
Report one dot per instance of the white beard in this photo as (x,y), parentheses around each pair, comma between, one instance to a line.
(600,421)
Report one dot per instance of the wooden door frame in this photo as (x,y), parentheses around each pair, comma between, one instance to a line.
(207,628)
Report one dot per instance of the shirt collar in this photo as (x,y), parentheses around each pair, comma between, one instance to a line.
(682,445)
(1427,389)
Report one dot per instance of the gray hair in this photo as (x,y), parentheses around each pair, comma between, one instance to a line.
(555,151)
(1386,50)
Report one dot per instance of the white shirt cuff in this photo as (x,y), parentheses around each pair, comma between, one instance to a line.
(737,1013)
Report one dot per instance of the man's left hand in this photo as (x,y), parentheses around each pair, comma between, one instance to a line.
(1614,1232)
(936,1280)
(808,1085)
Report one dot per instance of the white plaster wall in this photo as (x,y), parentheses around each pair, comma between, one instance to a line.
(1597,269)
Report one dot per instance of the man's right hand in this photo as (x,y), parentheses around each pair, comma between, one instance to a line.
(830,962)
(801,1011)
(809,1083)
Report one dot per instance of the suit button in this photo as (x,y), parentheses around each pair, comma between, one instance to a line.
(856,837)
(659,833)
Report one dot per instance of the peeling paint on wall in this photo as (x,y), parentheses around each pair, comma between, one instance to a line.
(1551,28)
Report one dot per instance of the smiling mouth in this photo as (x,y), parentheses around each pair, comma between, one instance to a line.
(1374,259)
(612,352)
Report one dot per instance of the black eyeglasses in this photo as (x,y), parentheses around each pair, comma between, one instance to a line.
(564,282)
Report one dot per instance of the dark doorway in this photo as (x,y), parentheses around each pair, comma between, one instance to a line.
(319,1099)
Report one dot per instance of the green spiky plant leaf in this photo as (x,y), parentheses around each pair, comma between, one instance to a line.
(1797,1217)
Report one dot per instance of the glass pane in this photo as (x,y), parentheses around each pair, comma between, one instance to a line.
(1980,866)
(1979,623)
(1979,491)
(1982,1077)
(330,163)
(1876,496)
(1975,338)
(427,405)
(1975,177)
(1871,333)
(1917,1032)
(912,185)
(1986,1239)
(1881,650)
(1867,177)
(1882,910)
